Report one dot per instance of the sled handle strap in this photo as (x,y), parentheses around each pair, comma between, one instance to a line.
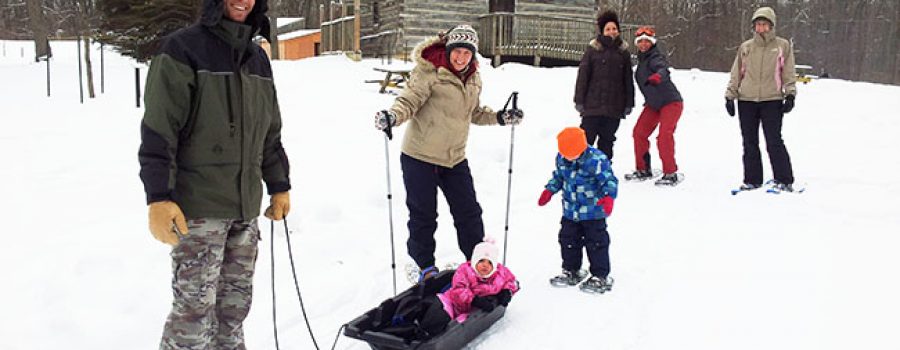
(272,268)
(297,284)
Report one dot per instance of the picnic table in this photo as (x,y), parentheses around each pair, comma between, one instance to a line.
(393,77)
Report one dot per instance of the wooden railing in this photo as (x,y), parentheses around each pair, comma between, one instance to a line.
(510,34)
(337,35)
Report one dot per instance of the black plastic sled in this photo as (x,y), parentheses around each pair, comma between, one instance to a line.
(455,336)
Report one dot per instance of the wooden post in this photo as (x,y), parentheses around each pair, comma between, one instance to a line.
(356,21)
(321,30)
(331,26)
(137,86)
(102,69)
(78,57)
(48,75)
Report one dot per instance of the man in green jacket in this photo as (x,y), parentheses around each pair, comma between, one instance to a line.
(763,81)
(211,134)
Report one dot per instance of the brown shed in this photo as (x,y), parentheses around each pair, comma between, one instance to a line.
(300,44)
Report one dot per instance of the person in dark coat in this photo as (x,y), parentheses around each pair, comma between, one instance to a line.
(662,107)
(604,91)
(210,137)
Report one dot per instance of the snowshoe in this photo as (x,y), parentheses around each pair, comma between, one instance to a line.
(596,285)
(672,179)
(745,187)
(642,175)
(778,187)
(415,276)
(568,278)
(427,273)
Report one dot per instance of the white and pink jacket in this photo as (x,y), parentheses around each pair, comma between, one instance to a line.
(467,284)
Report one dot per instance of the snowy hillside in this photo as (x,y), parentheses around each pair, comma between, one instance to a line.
(695,267)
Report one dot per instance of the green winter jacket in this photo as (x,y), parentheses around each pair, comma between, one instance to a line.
(211,131)
(439,106)
(763,68)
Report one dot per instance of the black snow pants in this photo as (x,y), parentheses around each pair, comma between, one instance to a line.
(593,237)
(422,181)
(767,113)
(601,130)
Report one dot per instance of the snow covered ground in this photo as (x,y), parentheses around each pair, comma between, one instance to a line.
(695,267)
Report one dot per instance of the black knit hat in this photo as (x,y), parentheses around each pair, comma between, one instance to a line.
(606,17)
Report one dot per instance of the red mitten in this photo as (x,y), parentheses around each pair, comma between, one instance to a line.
(654,79)
(607,203)
(545,197)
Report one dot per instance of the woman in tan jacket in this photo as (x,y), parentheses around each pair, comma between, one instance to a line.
(440,102)
(764,83)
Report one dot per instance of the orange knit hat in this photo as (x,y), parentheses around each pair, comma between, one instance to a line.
(572,142)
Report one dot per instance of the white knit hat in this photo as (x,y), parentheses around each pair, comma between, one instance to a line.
(486,250)
(462,35)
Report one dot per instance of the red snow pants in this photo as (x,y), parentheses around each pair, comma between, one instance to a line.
(667,118)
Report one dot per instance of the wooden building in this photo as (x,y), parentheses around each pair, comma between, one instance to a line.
(523,29)
(299,44)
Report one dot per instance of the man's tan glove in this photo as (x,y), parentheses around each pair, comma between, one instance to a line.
(279,206)
(162,215)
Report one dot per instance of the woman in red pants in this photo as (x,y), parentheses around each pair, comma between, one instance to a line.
(662,107)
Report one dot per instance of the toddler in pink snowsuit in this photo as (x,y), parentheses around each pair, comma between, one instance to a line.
(482,282)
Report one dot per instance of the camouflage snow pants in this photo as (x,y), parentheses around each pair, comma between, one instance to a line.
(212,284)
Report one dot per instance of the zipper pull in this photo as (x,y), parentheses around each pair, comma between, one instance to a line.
(231,129)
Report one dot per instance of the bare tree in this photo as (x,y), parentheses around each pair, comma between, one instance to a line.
(86,21)
(39,29)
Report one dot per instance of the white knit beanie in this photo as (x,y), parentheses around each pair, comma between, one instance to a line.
(486,250)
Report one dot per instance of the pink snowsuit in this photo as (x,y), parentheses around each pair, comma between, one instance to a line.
(467,284)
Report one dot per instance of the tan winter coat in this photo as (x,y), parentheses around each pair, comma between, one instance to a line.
(763,69)
(439,108)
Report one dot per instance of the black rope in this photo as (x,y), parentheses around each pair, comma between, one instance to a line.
(272,258)
(338,335)
(297,284)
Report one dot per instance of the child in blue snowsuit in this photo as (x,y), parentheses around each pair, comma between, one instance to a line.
(585,176)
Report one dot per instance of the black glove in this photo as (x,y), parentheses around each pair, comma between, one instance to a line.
(579,107)
(483,303)
(788,104)
(627,112)
(510,116)
(384,120)
(729,106)
(504,297)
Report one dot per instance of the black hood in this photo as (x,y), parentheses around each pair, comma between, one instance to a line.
(214,11)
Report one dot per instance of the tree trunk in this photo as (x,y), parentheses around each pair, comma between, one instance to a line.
(87,65)
(273,44)
(38,29)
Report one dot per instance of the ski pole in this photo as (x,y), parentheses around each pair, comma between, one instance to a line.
(512,137)
(387,168)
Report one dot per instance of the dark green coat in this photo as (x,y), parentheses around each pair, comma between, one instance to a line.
(211,132)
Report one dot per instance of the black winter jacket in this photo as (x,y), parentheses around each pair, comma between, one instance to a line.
(655,96)
(605,86)
(211,132)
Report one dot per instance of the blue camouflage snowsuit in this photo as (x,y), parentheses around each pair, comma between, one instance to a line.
(584,181)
